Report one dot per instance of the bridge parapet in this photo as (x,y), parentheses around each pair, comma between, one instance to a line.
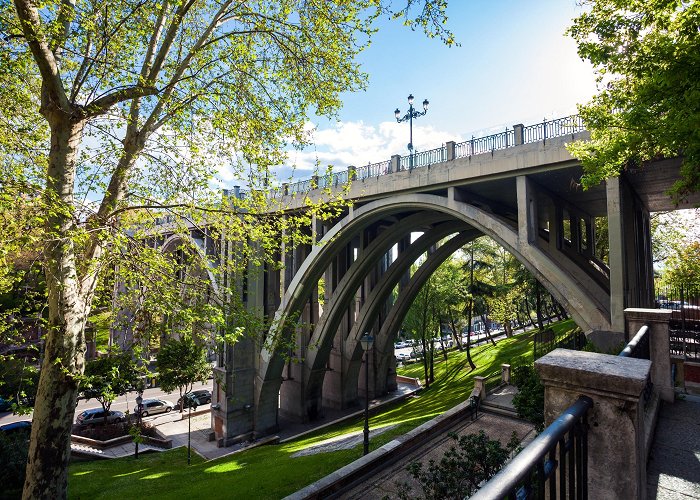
(518,135)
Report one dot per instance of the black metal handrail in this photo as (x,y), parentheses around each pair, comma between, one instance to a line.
(562,447)
(638,347)
(558,127)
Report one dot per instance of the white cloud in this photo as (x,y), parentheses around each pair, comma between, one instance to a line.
(356,143)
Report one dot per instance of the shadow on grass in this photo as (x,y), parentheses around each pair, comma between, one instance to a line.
(270,471)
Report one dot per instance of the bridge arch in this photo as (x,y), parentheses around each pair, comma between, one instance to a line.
(586,302)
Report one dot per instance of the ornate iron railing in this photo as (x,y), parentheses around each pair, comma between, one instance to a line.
(423,158)
(559,127)
(546,341)
(556,462)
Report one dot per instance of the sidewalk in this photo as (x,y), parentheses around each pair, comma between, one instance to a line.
(174,427)
(673,471)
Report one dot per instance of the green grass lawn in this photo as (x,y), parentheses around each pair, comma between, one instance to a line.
(101,322)
(270,471)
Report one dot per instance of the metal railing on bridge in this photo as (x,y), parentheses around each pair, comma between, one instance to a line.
(518,135)
(556,462)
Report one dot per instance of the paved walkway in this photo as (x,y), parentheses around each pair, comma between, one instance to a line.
(174,427)
(673,470)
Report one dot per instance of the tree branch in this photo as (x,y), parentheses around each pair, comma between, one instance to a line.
(52,86)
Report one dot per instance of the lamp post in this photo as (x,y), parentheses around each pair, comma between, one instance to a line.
(139,410)
(367,341)
(410,115)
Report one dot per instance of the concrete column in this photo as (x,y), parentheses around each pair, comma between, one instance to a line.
(616,432)
(616,256)
(519,135)
(657,320)
(527,211)
(395,164)
(233,396)
(450,150)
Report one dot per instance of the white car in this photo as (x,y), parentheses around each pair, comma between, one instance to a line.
(155,406)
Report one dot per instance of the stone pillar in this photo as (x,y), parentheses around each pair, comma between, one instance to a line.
(505,373)
(480,385)
(232,398)
(616,433)
(395,163)
(518,133)
(450,150)
(659,349)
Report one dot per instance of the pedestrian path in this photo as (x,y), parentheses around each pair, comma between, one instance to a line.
(673,470)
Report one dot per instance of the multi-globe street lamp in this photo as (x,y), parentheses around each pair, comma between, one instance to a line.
(410,115)
(367,342)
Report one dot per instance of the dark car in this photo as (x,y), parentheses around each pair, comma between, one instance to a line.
(17,427)
(196,398)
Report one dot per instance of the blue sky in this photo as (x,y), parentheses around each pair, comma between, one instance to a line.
(514,65)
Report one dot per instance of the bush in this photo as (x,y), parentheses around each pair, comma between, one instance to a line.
(529,401)
(14,449)
(462,470)
(112,431)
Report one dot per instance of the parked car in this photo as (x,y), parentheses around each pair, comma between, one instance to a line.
(17,427)
(96,416)
(155,406)
(196,398)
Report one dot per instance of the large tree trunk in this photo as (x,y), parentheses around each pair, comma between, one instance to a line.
(64,352)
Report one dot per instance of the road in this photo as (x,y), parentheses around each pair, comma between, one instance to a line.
(123,403)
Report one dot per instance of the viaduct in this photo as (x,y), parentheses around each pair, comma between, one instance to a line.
(520,187)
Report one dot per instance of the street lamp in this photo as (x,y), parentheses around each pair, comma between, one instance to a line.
(139,410)
(412,113)
(367,341)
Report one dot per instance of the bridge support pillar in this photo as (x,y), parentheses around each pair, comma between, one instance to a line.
(630,260)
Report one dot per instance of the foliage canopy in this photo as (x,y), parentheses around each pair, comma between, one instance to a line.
(647,59)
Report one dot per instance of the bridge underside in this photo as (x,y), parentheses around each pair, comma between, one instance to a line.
(358,277)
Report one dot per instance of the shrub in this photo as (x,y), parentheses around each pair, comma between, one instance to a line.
(529,401)
(14,449)
(462,469)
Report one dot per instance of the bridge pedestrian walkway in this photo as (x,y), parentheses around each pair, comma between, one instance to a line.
(673,470)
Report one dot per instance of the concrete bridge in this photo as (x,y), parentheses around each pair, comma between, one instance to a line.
(520,187)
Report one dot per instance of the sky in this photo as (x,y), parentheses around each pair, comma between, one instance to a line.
(514,65)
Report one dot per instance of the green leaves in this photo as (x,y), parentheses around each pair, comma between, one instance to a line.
(647,56)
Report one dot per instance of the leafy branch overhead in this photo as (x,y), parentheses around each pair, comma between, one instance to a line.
(647,59)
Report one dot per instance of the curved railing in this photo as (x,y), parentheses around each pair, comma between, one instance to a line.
(519,134)
(556,462)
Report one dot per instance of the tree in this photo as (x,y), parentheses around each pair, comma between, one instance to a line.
(463,468)
(682,269)
(647,59)
(138,102)
(108,377)
(182,362)
(529,401)
(422,324)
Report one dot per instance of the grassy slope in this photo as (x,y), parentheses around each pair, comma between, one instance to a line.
(270,471)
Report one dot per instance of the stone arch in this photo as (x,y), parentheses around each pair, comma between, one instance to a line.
(589,309)
(170,243)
